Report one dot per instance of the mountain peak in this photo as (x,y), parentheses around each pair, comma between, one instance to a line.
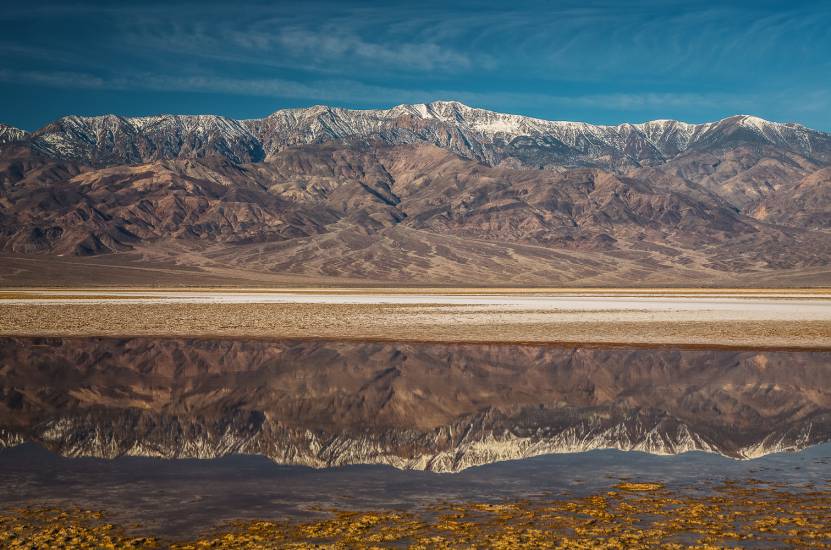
(9,134)
(448,103)
(755,122)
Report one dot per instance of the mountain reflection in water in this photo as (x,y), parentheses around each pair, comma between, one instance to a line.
(435,407)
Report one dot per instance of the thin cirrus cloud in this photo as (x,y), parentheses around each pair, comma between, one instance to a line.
(330,45)
(593,60)
(328,49)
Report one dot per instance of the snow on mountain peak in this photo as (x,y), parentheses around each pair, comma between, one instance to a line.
(471,132)
(10,134)
(111,138)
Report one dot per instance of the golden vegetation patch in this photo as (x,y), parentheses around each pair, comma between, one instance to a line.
(56,528)
(633,515)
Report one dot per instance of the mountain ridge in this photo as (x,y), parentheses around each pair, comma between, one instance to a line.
(480,134)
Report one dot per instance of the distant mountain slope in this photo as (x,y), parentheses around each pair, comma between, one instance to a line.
(381,212)
(423,191)
(805,205)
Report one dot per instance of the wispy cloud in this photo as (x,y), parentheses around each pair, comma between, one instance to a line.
(349,45)
(57,79)
(330,44)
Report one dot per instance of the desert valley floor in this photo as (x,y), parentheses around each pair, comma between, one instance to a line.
(785,318)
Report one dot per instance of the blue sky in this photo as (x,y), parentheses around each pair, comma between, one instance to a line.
(602,62)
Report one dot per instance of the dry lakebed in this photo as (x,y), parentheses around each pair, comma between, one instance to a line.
(694,317)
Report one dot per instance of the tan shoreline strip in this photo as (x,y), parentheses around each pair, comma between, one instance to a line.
(66,292)
(408,323)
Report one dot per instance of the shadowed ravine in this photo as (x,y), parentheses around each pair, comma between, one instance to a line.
(431,407)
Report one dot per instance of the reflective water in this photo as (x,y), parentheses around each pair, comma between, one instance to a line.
(451,420)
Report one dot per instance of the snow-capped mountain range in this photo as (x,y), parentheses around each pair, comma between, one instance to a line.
(480,134)
(358,192)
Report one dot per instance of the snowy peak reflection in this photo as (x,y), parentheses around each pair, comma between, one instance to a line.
(424,406)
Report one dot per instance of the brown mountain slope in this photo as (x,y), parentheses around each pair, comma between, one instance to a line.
(412,213)
(118,208)
(743,176)
(807,204)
